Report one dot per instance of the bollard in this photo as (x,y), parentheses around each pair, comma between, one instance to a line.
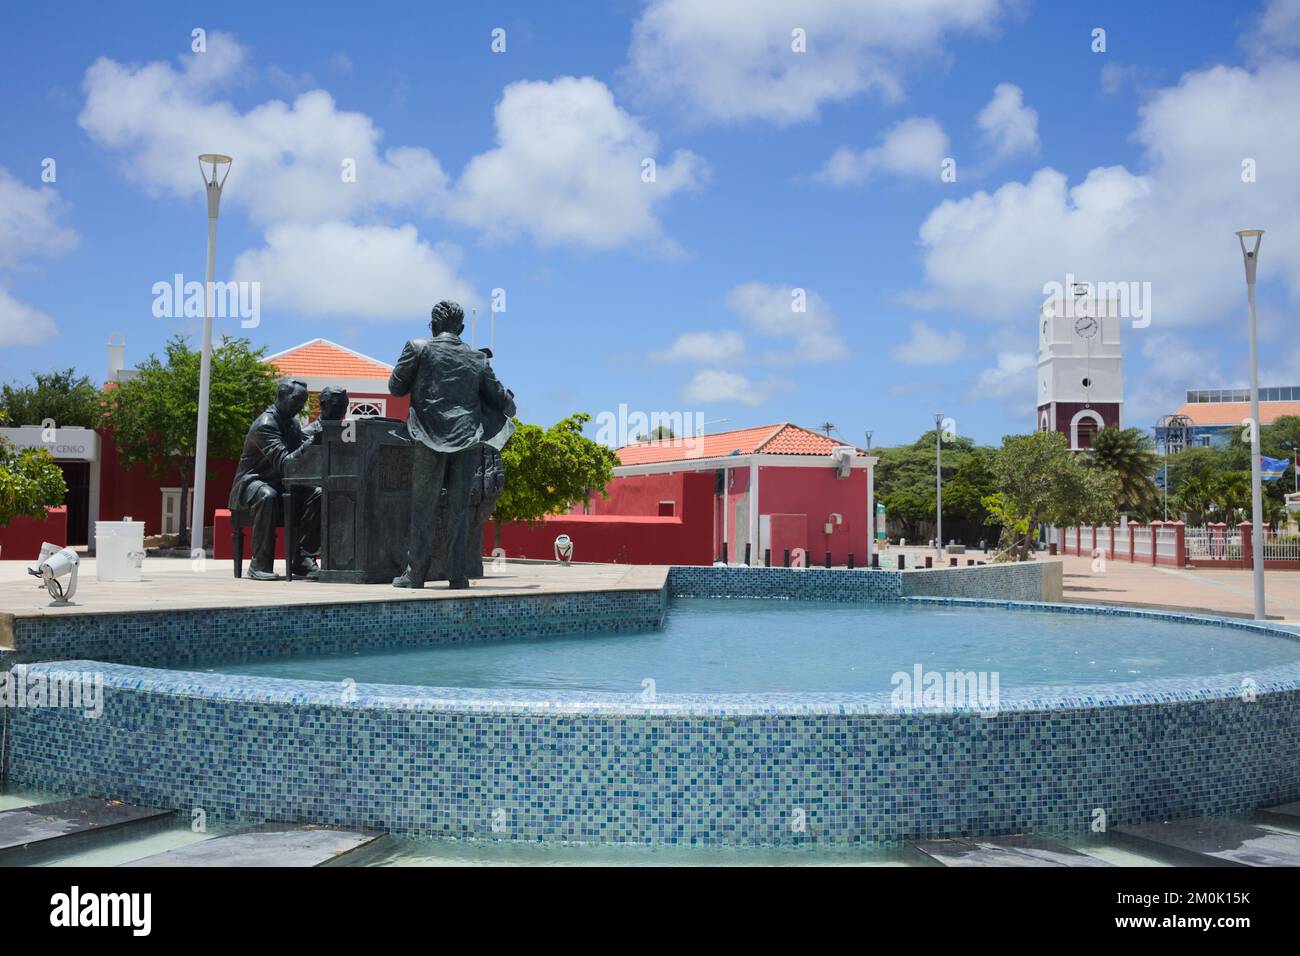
(746,554)
(952,562)
(902,562)
(850,560)
(828,559)
(787,557)
(767,557)
(875,560)
(724,552)
(970,562)
(929,560)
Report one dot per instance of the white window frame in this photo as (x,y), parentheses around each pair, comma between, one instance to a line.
(379,403)
(1079,416)
(174,493)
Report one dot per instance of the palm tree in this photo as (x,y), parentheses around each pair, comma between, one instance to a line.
(1128,453)
(1198,497)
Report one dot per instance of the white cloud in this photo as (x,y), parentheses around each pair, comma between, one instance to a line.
(704,348)
(710,386)
(1172,225)
(912,147)
(1007,125)
(1274,31)
(29,222)
(21,324)
(1011,380)
(568,169)
(288,157)
(732,60)
(30,228)
(771,311)
(927,346)
(340,269)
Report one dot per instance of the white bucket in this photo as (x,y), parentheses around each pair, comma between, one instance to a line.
(119,550)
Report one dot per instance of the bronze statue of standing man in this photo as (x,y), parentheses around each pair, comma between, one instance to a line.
(453,390)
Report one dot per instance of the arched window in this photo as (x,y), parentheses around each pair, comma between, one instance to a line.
(1083,426)
(366,408)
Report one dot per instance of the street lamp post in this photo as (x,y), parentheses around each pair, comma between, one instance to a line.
(1251,258)
(938,486)
(213,186)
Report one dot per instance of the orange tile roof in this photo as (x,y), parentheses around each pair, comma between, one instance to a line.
(321,357)
(1231,413)
(780,439)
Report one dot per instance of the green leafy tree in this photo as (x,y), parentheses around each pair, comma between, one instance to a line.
(905,483)
(1129,454)
(658,433)
(154,416)
(64,396)
(30,482)
(550,469)
(1040,481)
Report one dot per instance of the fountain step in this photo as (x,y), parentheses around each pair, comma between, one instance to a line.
(50,826)
(1285,814)
(1203,841)
(275,844)
(1017,850)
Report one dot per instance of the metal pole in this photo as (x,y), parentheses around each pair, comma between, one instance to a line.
(938,485)
(1256,485)
(213,187)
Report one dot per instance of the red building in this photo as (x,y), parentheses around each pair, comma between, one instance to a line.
(691,501)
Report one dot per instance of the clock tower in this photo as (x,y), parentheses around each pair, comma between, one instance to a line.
(1080,368)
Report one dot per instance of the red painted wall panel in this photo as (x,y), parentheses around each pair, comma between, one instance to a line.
(22,538)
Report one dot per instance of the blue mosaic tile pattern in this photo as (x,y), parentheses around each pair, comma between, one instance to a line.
(804,584)
(706,769)
(194,638)
(584,768)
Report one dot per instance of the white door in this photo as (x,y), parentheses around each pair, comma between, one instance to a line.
(171,508)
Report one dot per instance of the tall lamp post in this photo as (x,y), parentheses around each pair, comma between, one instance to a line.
(220,164)
(1251,258)
(938,486)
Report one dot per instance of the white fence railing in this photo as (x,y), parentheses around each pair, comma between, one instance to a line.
(1281,546)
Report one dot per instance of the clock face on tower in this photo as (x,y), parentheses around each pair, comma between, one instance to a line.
(1085,326)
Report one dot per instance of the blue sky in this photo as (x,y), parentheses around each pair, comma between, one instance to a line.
(775,171)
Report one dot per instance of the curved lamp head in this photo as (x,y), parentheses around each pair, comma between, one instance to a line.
(220,164)
(1251,255)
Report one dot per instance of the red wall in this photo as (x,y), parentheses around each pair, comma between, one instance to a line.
(639,496)
(816,492)
(132,491)
(22,538)
(633,537)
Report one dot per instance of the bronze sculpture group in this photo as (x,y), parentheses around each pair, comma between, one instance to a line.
(459,420)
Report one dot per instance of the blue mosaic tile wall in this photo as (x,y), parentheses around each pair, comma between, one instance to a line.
(194,638)
(1015,582)
(584,769)
(806,584)
(709,769)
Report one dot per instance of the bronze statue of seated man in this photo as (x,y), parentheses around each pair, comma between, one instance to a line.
(333,408)
(257,490)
